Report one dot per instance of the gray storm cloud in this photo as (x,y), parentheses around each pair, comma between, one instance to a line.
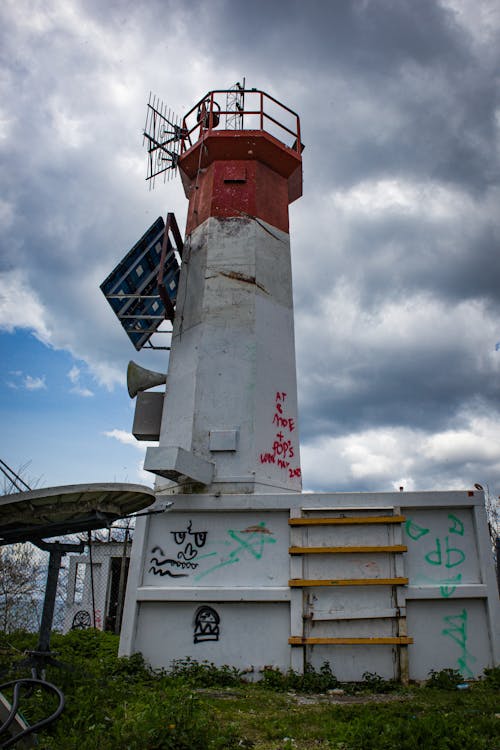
(395,242)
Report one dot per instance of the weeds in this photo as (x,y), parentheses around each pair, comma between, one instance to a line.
(492,677)
(377,684)
(445,679)
(309,682)
(123,704)
(204,673)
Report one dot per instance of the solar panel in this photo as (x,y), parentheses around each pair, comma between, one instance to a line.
(132,287)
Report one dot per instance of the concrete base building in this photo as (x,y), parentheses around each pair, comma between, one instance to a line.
(392,583)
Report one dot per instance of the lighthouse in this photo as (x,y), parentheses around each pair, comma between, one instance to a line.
(244,569)
(229,420)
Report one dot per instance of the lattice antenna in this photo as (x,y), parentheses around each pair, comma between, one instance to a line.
(235,105)
(163,134)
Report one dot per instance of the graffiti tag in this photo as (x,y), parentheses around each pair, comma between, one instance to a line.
(206,624)
(190,541)
(444,554)
(247,543)
(457,630)
(283,451)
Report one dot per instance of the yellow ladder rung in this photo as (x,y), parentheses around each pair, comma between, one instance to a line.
(340,550)
(302,582)
(389,641)
(345,521)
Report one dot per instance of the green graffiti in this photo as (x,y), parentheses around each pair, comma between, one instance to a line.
(202,557)
(447,591)
(447,585)
(457,526)
(434,556)
(415,531)
(443,553)
(457,631)
(453,555)
(251,542)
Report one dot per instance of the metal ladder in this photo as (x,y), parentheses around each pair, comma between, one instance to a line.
(330,547)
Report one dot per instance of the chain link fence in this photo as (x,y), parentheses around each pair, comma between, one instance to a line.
(91,584)
(96,582)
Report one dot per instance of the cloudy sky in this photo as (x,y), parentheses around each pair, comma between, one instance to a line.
(395,243)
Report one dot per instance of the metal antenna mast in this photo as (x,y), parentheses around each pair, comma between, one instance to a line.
(235,106)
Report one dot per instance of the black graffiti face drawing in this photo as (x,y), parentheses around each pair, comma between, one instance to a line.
(206,625)
(190,542)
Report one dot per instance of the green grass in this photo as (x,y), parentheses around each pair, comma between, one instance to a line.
(121,704)
(410,722)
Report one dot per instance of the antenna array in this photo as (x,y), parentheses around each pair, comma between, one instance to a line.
(163,134)
(235,105)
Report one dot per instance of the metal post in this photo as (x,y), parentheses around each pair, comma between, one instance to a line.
(39,659)
(497,561)
(121,585)
(91,577)
(49,600)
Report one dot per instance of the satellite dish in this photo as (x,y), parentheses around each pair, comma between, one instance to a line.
(54,511)
(35,515)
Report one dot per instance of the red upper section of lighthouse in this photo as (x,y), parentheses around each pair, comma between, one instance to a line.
(241,161)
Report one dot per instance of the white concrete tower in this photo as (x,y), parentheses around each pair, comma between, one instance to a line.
(229,421)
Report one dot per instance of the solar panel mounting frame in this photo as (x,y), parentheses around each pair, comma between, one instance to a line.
(142,288)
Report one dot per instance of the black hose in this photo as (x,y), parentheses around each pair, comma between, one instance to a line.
(29,682)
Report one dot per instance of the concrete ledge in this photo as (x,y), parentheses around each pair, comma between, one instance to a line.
(213,594)
(172,462)
(463,591)
(283,501)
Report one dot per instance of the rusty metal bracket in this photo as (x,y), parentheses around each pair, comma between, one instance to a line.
(171,226)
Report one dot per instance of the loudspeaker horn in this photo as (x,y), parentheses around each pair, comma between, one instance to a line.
(140,379)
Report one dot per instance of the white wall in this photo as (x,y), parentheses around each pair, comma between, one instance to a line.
(231,553)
